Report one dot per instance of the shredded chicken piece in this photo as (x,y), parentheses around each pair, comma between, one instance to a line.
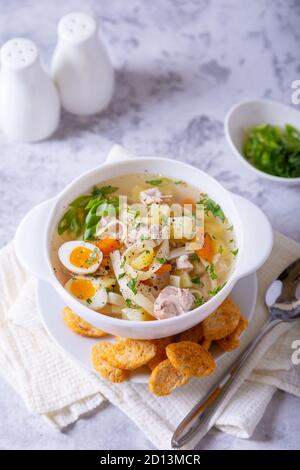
(152,196)
(172,301)
(157,283)
(146,233)
(182,262)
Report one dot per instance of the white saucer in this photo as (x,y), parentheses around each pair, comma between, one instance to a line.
(79,348)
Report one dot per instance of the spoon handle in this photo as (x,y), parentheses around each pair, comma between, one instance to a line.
(206,412)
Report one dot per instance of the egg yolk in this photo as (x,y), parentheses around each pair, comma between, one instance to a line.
(82,289)
(82,257)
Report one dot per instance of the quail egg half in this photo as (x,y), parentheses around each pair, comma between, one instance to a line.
(80,257)
(88,290)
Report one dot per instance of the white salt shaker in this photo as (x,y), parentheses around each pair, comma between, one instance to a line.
(29,101)
(81,66)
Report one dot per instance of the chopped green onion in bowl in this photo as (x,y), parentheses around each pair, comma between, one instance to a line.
(274,150)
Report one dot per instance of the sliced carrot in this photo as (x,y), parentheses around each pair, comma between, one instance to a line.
(165,268)
(107,245)
(207,251)
(189,200)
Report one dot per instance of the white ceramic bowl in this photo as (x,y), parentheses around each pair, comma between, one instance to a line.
(248,114)
(252,229)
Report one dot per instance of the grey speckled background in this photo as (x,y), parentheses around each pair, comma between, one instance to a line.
(180,66)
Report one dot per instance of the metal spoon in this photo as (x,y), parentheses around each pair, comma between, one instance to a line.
(283,301)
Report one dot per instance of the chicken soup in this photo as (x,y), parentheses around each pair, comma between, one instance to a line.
(143,247)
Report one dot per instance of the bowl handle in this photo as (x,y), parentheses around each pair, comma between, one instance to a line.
(117,154)
(28,242)
(258,236)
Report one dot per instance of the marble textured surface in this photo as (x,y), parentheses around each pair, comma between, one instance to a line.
(180,66)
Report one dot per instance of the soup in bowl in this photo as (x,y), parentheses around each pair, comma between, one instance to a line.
(144,247)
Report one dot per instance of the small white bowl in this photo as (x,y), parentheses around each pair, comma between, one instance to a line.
(248,114)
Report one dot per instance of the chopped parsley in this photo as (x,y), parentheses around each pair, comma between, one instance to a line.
(211,270)
(156,181)
(104,191)
(132,286)
(196,280)
(194,257)
(216,290)
(93,257)
(212,207)
(198,301)
(130,304)
(162,260)
(235,252)
(220,249)
(89,301)
(274,150)
(230,228)
(134,212)
(163,179)
(121,275)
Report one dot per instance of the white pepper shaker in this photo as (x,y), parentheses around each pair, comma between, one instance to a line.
(81,66)
(29,101)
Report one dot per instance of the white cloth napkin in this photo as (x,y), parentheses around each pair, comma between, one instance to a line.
(56,388)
